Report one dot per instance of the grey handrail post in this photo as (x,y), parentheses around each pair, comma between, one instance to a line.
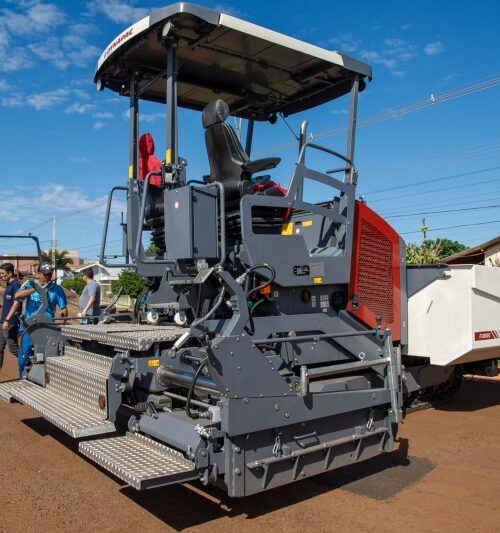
(350,175)
(102,257)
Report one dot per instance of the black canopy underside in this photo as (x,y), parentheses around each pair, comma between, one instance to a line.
(256,71)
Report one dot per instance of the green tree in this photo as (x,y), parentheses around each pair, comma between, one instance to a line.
(62,259)
(449,247)
(432,251)
(74,284)
(152,248)
(131,282)
(422,254)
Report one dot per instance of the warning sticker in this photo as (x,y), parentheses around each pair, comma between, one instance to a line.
(317,269)
(287,228)
(301,270)
(154,362)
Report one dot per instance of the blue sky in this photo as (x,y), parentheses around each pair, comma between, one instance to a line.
(430,114)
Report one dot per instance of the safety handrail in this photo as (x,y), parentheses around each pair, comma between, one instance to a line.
(351,168)
(102,257)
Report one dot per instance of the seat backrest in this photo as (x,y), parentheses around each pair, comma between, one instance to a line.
(225,153)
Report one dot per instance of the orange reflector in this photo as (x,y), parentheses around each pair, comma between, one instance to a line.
(47,378)
(265,290)
(101,401)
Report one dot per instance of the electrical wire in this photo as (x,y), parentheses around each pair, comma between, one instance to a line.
(432,180)
(452,227)
(396,113)
(441,212)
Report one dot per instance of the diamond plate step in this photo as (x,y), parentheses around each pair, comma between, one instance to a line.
(139,461)
(64,413)
(125,336)
(73,397)
(81,377)
(8,387)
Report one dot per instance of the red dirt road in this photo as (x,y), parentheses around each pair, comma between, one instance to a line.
(443,476)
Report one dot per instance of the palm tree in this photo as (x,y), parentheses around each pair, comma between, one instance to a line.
(62,259)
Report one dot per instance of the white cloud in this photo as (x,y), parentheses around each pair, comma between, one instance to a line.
(79,109)
(71,49)
(50,50)
(48,99)
(433,49)
(14,58)
(146,118)
(38,18)
(230,10)
(103,114)
(11,101)
(345,43)
(98,125)
(52,199)
(78,159)
(3,85)
(394,52)
(399,49)
(375,57)
(121,12)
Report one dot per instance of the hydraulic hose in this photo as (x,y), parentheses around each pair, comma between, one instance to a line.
(194,414)
(267,283)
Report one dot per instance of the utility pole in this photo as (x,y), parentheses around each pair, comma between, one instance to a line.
(54,242)
(424,228)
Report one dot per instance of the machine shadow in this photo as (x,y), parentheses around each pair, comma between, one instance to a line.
(196,505)
(188,505)
(475,394)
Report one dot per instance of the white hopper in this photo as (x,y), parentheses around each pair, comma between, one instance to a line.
(456,319)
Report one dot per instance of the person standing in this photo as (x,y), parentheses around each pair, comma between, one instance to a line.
(90,299)
(10,312)
(28,292)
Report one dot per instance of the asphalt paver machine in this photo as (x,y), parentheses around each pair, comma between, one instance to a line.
(276,341)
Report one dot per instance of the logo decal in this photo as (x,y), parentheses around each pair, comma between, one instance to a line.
(119,40)
(486,335)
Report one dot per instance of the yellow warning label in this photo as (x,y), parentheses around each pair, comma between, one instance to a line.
(168,156)
(130,172)
(154,362)
(307,223)
(287,228)
(318,280)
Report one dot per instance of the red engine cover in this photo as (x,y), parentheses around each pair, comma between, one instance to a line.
(375,271)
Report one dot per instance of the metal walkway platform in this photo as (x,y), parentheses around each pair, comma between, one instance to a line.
(139,461)
(74,398)
(125,336)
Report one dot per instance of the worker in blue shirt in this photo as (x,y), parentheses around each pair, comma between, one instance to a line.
(10,317)
(55,297)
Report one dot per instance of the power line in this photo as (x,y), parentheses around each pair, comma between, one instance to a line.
(451,227)
(483,149)
(443,211)
(444,203)
(397,112)
(438,190)
(433,180)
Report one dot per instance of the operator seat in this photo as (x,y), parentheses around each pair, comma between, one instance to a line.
(229,163)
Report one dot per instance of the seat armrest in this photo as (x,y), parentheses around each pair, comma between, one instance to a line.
(261,164)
